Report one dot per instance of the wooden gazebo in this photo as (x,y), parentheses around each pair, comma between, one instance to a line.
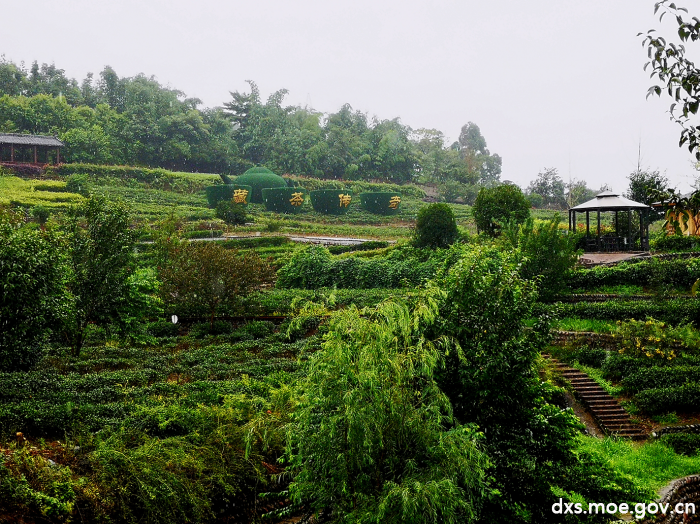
(624,235)
(30,149)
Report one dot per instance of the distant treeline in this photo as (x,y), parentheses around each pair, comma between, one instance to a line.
(137,121)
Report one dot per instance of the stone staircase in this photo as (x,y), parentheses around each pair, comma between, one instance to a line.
(611,417)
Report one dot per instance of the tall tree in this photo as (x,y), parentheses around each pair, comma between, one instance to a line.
(472,147)
(101,259)
(676,74)
(550,186)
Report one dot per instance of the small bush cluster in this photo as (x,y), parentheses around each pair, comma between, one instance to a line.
(314,268)
(661,377)
(435,227)
(677,273)
(673,311)
(364,246)
(497,205)
(662,400)
(654,339)
(675,243)
(682,443)
(231,213)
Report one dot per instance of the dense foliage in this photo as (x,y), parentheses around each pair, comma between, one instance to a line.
(497,205)
(390,453)
(436,227)
(33,275)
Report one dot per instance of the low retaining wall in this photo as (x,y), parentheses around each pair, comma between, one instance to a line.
(683,491)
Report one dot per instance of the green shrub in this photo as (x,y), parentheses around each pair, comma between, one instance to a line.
(314,268)
(219,193)
(680,273)
(79,183)
(163,328)
(548,253)
(259,328)
(381,203)
(435,226)
(331,201)
(254,242)
(654,339)
(682,443)
(664,400)
(218,327)
(499,205)
(283,199)
(41,214)
(672,243)
(364,246)
(204,233)
(672,311)
(618,366)
(260,178)
(232,214)
(661,377)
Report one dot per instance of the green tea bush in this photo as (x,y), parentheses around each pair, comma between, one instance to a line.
(435,227)
(682,443)
(655,340)
(260,178)
(661,377)
(314,268)
(673,311)
(664,400)
(364,246)
(254,242)
(79,183)
(232,214)
(259,328)
(283,199)
(499,204)
(204,233)
(678,273)
(674,243)
(218,327)
(331,201)
(381,203)
(163,328)
(618,366)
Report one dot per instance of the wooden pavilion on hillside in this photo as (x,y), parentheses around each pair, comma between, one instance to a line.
(29,149)
(628,234)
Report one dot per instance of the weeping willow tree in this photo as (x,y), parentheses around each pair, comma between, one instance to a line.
(373,438)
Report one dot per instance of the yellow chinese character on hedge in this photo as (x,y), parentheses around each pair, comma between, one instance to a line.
(297,199)
(344,200)
(239,196)
(394,202)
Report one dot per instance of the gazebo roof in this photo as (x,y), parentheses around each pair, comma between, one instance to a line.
(609,201)
(30,140)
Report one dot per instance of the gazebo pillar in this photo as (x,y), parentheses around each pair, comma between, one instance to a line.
(12,153)
(598,236)
(588,224)
(629,229)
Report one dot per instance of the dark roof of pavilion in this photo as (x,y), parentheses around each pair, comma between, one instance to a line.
(609,201)
(30,140)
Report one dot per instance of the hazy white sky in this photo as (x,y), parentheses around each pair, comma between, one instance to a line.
(550,83)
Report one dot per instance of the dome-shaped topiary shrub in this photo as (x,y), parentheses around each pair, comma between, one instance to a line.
(284,199)
(239,194)
(260,178)
(381,203)
(331,201)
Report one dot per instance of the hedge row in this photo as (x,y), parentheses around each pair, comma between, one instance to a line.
(618,366)
(314,268)
(665,400)
(142,174)
(204,233)
(253,242)
(674,311)
(312,184)
(661,377)
(670,243)
(683,443)
(676,272)
(364,246)
(225,192)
